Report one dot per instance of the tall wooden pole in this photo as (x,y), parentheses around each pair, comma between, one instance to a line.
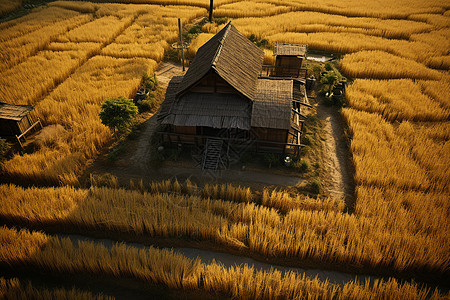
(210,10)
(181,42)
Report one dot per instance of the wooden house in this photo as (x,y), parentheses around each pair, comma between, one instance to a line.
(223,97)
(16,121)
(288,59)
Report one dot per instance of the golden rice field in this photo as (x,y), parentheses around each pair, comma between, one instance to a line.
(14,289)
(322,235)
(9,5)
(83,70)
(69,56)
(175,271)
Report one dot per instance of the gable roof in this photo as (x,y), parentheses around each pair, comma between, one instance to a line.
(290,50)
(273,104)
(232,56)
(14,112)
(197,109)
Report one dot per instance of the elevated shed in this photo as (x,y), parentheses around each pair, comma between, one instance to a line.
(16,121)
(288,59)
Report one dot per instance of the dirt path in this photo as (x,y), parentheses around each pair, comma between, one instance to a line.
(139,159)
(339,182)
(229,260)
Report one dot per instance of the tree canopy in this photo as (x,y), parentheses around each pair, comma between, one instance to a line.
(118,113)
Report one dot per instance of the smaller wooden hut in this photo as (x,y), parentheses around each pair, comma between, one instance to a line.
(16,121)
(288,59)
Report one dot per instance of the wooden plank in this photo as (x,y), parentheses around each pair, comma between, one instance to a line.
(29,128)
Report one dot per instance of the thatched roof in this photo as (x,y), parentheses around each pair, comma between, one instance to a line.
(232,56)
(211,110)
(14,112)
(290,50)
(204,109)
(257,102)
(272,107)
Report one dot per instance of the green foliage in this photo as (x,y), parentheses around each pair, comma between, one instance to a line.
(316,70)
(197,28)
(271,159)
(171,55)
(118,113)
(315,186)
(220,21)
(150,82)
(328,66)
(147,105)
(301,165)
(330,78)
(4,148)
(194,31)
(260,43)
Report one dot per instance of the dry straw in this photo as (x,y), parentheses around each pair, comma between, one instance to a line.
(13,289)
(7,6)
(325,236)
(178,272)
(399,100)
(382,65)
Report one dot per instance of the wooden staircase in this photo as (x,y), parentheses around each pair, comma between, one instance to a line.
(211,155)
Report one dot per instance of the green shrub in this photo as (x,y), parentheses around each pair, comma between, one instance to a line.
(306,140)
(328,66)
(150,82)
(301,165)
(147,104)
(4,148)
(315,186)
(271,159)
(316,70)
(220,21)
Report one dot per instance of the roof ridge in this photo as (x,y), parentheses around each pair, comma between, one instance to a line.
(221,41)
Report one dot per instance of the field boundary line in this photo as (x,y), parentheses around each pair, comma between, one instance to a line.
(86,59)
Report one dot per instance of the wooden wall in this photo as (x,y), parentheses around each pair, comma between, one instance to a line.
(270,134)
(9,128)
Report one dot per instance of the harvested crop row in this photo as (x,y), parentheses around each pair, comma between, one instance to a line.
(382,65)
(14,289)
(25,83)
(176,271)
(377,144)
(75,104)
(17,49)
(7,6)
(37,19)
(151,34)
(321,236)
(102,30)
(300,20)
(383,9)
(396,100)
(280,200)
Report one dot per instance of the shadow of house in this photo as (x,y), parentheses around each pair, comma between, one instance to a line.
(223,104)
(17,121)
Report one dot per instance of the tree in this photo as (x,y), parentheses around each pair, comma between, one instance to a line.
(118,113)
